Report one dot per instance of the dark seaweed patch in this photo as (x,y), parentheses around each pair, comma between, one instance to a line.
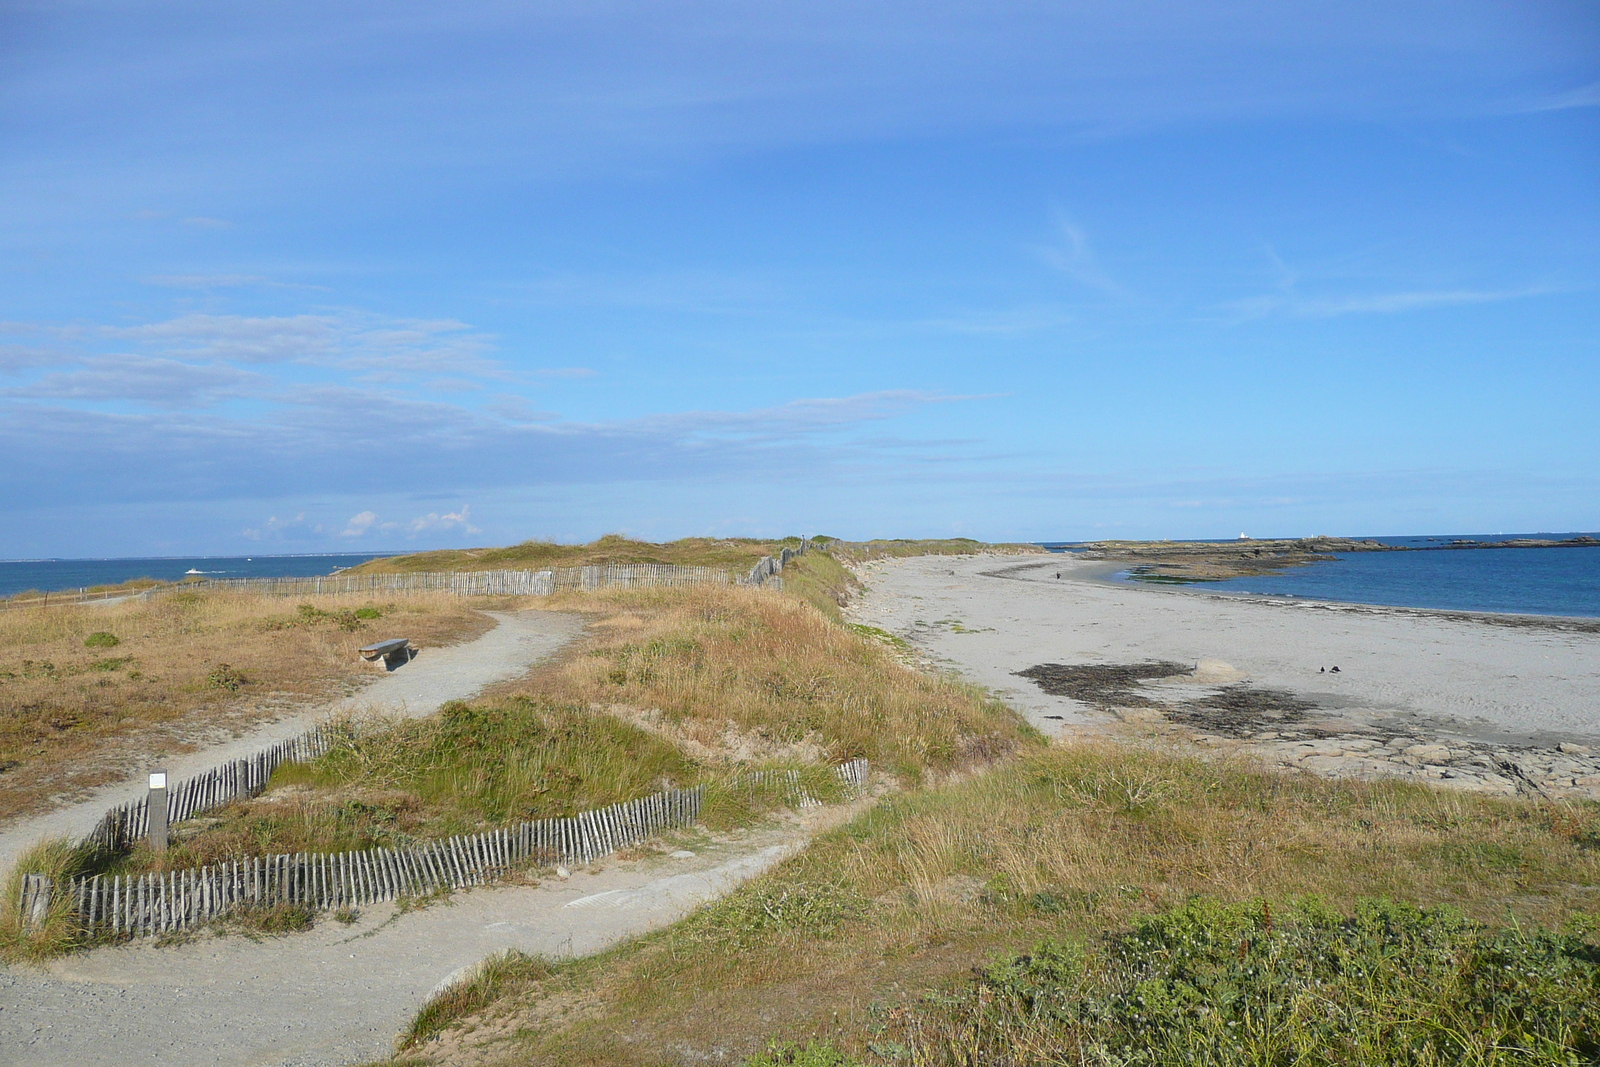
(1103,685)
(1240,710)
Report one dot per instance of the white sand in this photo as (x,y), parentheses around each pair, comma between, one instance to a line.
(1449,675)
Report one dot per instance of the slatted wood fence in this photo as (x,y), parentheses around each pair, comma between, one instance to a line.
(154,904)
(480,583)
(120,827)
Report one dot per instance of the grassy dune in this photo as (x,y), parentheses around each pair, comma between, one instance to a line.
(84,687)
(673,687)
(969,923)
(735,555)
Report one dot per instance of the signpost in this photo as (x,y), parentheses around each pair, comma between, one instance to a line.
(157,809)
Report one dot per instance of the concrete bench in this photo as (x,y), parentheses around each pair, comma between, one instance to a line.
(392,653)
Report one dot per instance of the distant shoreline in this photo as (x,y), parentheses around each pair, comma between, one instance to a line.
(1186,562)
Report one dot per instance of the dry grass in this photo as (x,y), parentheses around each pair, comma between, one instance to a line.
(741,674)
(900,548)
(1072,843)
(185,665)
(691,685)
(59,860)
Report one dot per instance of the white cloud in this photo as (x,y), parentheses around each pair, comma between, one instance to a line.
(433,522)
(359,524)
(276,529)
(201,222)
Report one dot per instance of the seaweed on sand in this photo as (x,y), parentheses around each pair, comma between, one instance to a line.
(1103,685)
(1240,711)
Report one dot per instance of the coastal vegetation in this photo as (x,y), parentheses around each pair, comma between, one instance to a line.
(672,687)
(1103,904)
(85,688)
(1002,900)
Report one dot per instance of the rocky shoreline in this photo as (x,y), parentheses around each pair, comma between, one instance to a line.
(1284,730)
(1183,562)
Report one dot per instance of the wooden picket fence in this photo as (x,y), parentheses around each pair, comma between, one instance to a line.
(461,583)
(480,583)
(120,827)
(160,903)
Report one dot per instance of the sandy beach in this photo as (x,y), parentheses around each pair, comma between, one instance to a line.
(1430,695)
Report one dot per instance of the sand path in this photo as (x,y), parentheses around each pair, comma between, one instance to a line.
(337,994)
(518,641)
(990,617)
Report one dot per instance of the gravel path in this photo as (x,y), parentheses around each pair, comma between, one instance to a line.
(519,640)
(337,994)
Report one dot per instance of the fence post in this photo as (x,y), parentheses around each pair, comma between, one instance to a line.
(156,804)
(34,907)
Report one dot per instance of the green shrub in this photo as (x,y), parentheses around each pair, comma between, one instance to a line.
(1300,984)
(223,676)
(101,639)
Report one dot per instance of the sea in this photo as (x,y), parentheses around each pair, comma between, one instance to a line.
(1517,581)
(53,575)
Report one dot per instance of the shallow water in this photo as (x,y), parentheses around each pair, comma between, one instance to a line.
(1521,581)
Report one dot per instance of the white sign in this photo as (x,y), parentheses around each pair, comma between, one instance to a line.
(158,780)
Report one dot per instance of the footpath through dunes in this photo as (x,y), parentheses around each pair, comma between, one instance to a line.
(342,994)
(517,642)
(1426,695)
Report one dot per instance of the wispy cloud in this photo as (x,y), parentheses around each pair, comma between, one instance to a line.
(381,349)
(322,439)
(224,281)
(161,382)
(1394,303)
(1073,257)
(1583,96)
(201,222)
(1292,304)
(241,338)
(15,358)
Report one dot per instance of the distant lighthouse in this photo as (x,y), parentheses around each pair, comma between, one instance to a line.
(1243,536)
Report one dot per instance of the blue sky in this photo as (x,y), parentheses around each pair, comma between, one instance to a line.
(304,277)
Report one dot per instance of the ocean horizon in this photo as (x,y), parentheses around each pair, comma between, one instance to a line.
(1555,581)
(62,575)
(1435,576)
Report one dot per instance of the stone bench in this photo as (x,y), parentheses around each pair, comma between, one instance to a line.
(392,653)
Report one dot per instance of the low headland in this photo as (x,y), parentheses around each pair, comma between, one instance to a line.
(1047,868)
(1179,562)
